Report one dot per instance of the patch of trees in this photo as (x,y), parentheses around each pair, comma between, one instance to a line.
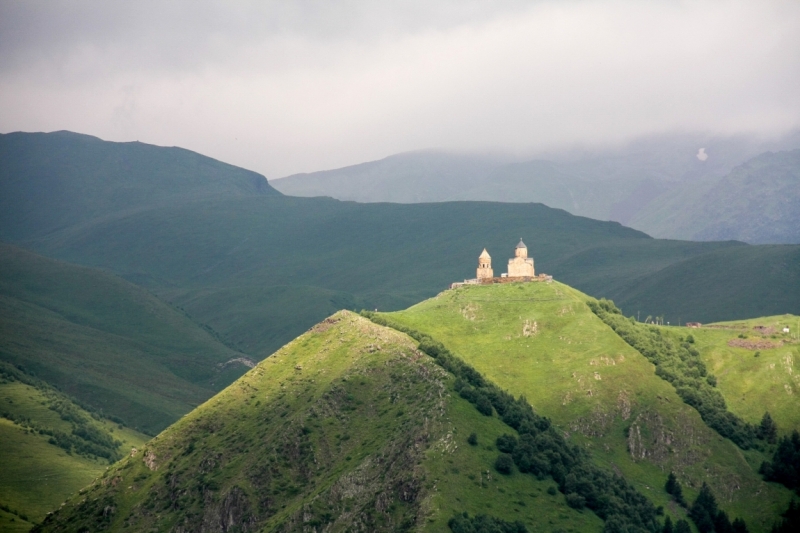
(674,489)
(540,450)
(790,520)
(463,523)
(85,438)
(679,363)
(785,464)
(709,518)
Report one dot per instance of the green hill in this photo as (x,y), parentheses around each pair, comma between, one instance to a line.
(348,427)
(52,180)
(721,285)
(107,342)
(542,341)
(50,448)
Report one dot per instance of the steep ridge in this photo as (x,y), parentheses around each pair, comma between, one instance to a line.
(347,428)
(542,341)
(50,447)
(107,342)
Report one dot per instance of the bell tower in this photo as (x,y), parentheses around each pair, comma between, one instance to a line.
(485,266)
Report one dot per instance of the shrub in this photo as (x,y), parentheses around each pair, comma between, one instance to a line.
(483,405)
(506,443)
(575,500)
(472,439)
(504,464)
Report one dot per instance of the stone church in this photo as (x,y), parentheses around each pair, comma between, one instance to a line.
(520,266)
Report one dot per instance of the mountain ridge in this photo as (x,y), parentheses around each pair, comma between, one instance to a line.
(656,185)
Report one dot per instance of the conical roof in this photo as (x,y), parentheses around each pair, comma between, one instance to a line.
(484,255)
(521,244)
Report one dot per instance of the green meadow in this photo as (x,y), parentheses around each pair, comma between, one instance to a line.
(754,362)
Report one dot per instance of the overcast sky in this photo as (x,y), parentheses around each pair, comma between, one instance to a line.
(293,86)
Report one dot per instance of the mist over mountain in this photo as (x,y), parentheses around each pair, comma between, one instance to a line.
(666,186)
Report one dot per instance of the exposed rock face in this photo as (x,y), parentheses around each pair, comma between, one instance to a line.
(232,514)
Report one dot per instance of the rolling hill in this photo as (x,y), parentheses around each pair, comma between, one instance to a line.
(50,447)
(107,342)
(347,428)
(52,180)
(754,361)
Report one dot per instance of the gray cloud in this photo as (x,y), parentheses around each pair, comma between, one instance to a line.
(283,87)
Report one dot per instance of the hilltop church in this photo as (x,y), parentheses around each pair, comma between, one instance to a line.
(520,268)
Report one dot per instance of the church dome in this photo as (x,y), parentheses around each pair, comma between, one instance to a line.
(521,244)
(484,255)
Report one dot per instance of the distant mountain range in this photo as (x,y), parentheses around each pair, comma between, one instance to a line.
(681,187)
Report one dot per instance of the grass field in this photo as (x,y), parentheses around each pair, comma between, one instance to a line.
(753,384)
(36,476)
(541,341)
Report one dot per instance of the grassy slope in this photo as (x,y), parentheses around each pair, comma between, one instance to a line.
(593,385)
(105,341)
(36,476)
(347,425)
(752,385)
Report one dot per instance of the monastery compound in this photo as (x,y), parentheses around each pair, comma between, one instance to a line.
(520,268)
